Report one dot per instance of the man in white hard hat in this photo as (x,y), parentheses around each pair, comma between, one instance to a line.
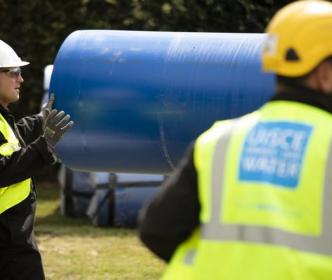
(26,147)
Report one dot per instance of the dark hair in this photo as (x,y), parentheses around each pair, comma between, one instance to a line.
(293,80)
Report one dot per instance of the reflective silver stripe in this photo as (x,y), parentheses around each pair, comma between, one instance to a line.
(190,256)
(214,230)
(15,146)
(218,169)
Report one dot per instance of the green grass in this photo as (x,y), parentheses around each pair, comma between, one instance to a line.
(73,249)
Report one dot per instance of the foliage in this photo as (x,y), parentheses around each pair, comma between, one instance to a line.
(36,28)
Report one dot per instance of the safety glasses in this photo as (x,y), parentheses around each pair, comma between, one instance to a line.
(12,72)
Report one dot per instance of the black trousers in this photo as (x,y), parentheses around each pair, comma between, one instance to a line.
(19,255)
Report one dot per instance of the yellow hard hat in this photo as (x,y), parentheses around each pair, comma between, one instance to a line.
(299,38)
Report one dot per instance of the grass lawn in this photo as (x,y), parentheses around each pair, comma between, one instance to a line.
(73,249)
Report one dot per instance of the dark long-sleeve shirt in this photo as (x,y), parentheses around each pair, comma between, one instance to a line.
(32,157)
(172,215)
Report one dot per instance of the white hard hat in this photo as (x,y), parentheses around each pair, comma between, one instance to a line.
(9,58)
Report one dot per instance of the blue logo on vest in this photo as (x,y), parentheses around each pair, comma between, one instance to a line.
(273,153)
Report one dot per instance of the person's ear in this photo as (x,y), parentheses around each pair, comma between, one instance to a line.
(323,77)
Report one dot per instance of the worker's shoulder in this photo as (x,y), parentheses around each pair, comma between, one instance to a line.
(226,125)
(222,127)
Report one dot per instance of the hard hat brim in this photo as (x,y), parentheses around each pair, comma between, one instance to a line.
(17,64)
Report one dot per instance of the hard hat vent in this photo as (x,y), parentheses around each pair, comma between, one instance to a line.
(291,55)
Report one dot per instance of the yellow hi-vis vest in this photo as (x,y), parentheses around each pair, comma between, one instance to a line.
(13,194)
(265,188)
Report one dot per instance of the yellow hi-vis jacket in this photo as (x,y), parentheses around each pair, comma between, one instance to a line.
(265,189)
(13,194)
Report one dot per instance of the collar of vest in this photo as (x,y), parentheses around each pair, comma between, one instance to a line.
(305,95)
(6,113)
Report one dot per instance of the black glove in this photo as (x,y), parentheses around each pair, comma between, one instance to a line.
(56,125)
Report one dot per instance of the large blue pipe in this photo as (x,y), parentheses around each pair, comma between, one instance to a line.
(139,98)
